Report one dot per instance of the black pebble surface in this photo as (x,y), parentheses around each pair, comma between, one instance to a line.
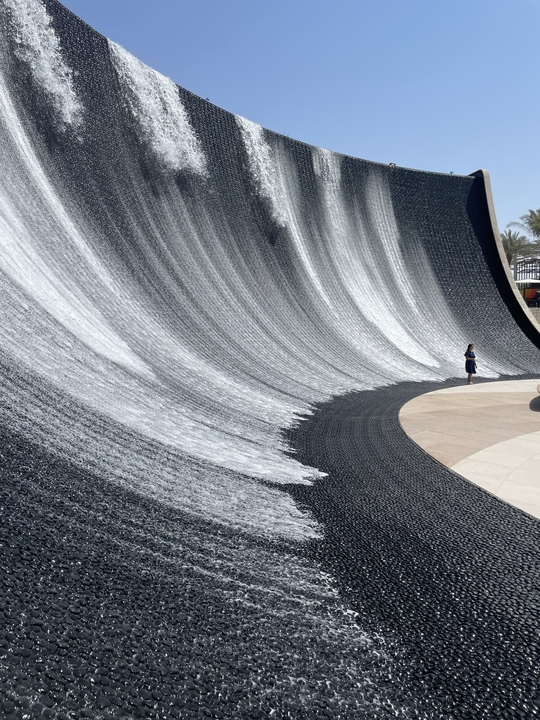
(99,620)
(420,552)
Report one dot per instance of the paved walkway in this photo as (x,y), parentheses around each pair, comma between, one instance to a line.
(489,433)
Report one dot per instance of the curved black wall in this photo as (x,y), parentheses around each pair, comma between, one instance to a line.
(180,288)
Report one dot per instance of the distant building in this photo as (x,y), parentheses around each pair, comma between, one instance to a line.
(527,268)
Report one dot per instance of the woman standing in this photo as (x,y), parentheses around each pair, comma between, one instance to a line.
(470,363)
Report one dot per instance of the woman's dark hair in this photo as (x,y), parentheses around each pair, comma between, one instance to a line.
(469,346)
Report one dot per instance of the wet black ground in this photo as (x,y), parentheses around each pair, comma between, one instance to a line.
(449,569)
(102,615)
(115,606)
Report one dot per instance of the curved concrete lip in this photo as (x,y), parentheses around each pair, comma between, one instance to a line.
(488,433)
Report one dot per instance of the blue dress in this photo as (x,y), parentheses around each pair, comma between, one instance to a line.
(470,365)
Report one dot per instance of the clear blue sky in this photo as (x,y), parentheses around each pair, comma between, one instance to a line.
(444,85)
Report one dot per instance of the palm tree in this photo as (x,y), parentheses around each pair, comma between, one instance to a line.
(530,222)
(515,244)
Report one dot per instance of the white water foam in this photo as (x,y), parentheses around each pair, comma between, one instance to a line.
(60,303)
(277,183)
(39,47)
(264,168)
(24,186)
(422,339)
(349,248)
(339,242)
(155,103)
(421,302)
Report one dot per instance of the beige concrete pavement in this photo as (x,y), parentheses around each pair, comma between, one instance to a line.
(488,433)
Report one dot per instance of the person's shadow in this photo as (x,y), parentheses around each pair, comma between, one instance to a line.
(535,404)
